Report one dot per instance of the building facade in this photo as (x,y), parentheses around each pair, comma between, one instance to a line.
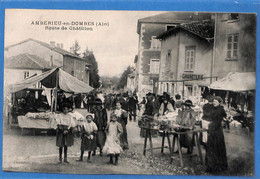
(23,66)
(195,54)
(54,55)
(186,59)
(235,43)
(149,50)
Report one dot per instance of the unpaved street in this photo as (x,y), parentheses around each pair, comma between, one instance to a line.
(39,153)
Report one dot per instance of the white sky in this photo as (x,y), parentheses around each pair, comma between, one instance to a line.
(114,47)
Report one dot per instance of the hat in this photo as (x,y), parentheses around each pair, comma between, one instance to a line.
(188,103)
(149,94)
(218,98)
(90,114)
(98,101)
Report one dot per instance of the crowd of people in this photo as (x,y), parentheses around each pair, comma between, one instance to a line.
(109,132)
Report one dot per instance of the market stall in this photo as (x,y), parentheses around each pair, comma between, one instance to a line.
(238,92)
(53,83)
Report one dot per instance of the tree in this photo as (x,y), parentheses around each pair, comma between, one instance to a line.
(76,48)
(123,79)
(93,74)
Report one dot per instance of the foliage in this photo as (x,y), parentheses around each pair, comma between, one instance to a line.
(76,48)
(123,79)
(93,74)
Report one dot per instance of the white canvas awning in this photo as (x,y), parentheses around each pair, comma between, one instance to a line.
(66,82)
(236,81)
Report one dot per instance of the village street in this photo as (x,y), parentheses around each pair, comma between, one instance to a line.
(40,154)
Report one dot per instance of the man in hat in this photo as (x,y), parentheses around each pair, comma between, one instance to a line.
(149,106)
(186,119)
(132,103)
(100,118)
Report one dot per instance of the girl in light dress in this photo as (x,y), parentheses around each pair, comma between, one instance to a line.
(112,146)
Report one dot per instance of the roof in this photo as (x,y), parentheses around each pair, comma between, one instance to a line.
(174,18)
(56,49)
(236,81)
(26,61)
(204,30)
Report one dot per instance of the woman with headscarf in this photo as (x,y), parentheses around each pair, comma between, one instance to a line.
(186,119)
(216,157)
(166,106)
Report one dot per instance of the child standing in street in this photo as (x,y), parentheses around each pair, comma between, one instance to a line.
(112,146)
(88,142)
(64,137)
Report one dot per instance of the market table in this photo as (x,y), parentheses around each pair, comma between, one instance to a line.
(148,135)
(177,134)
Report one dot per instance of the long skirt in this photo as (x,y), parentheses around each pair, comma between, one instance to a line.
(216,156)
(88,144)
(101,139)
(64,139)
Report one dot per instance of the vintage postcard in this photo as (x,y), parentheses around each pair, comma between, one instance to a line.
(129,92)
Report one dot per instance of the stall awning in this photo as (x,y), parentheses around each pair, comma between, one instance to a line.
(236,81)
(67,82)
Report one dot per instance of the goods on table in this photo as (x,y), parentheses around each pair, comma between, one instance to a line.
(37,116)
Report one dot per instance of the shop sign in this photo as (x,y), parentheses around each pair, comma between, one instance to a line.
(192,76)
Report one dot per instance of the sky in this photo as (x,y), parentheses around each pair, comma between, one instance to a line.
(114,45)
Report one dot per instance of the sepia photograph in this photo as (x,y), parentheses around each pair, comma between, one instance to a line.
(129,92)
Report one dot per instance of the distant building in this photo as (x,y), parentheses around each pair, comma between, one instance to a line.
(149,50)
(52,54)
(23,66)
(186,54)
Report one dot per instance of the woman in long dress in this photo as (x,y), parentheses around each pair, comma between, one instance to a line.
(186,119)
(112,146)
(216,156)
(64,138)
(122,119)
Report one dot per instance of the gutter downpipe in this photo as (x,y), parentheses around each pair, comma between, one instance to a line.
(214,50)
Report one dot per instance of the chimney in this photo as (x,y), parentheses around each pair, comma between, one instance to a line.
(58,45)
(61,45)
(52,43)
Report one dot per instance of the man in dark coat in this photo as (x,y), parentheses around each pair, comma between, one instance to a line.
(100,118)
(149,106)
(132,103)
